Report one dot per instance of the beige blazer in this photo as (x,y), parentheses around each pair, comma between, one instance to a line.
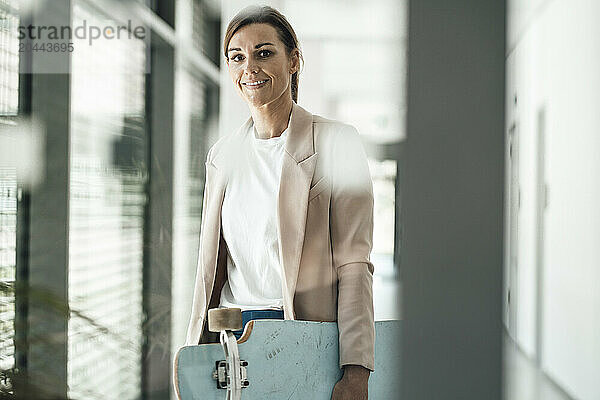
(325,209)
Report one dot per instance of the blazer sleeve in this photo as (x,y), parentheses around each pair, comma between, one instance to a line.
(351,225)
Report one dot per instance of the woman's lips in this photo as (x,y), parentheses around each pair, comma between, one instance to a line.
(252,87)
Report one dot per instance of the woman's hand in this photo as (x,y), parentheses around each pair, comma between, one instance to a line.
(354,385)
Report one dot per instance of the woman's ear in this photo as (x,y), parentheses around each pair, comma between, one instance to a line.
(295,61)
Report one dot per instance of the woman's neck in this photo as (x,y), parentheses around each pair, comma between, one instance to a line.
(270,120)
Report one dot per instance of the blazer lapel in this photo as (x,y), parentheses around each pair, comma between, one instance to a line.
(299,161)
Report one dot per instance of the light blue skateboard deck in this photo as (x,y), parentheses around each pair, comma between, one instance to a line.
(289,360)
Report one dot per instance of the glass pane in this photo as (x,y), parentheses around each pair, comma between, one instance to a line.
(8,228)
(9,58)
(199,34)
(196,113)
(199,124)
(197,110)
(108,175)
(9,101)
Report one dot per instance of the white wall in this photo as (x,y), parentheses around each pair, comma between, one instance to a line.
(523,61)
(554,63)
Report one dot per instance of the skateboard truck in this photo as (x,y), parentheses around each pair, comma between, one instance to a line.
(221,376)
(230,373)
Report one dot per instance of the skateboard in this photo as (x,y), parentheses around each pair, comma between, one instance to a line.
(279,359)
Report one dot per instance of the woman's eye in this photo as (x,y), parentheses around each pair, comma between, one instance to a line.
(266,52)
(235,58)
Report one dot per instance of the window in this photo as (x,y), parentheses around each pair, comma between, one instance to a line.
(107,201)
(9,100)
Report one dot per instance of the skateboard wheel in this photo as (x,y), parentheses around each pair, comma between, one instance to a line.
(224,319)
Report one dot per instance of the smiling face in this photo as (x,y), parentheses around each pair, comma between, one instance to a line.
(259,65)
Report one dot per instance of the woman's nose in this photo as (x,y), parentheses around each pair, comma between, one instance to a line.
(251,68)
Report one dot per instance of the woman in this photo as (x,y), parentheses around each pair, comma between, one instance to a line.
(287,220)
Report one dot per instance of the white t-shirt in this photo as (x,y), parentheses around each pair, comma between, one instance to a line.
(250,225)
